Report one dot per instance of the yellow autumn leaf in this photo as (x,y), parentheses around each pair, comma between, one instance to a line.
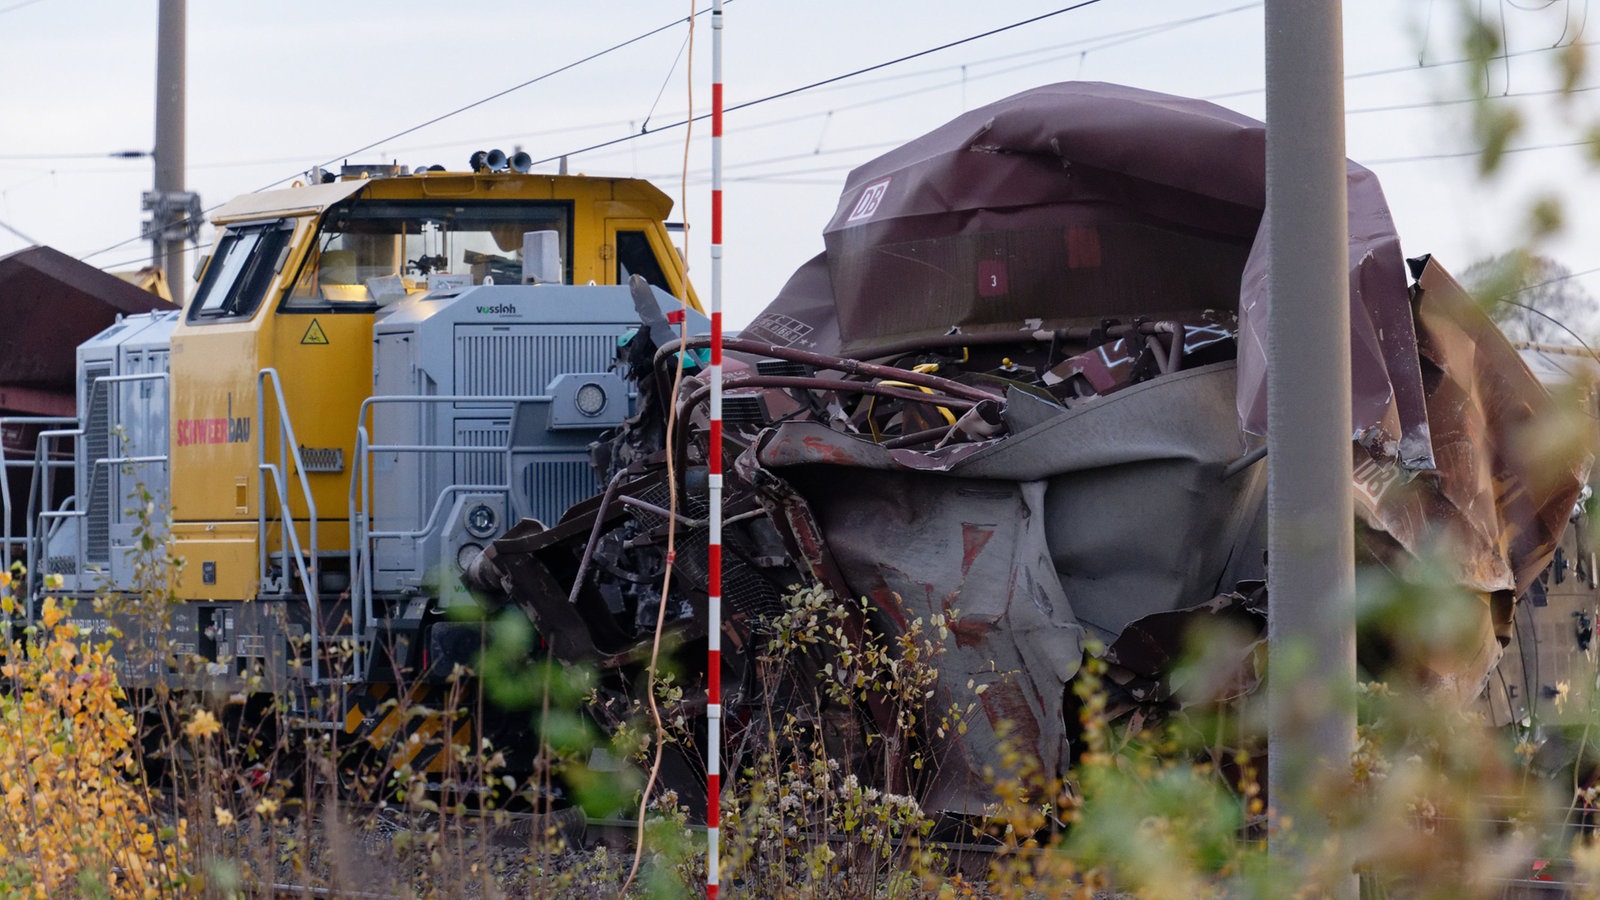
(202,726)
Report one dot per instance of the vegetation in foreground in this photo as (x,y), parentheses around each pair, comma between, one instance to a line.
(185,794)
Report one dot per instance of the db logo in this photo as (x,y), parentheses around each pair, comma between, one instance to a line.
(871,196)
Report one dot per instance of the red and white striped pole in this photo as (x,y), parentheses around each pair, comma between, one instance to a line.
(714,548)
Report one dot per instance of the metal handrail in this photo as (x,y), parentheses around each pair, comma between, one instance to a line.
(6,464)
(291,540)
(362,535)
(103,465)
(31,541)
(41,506)
(437,510)
(361,617)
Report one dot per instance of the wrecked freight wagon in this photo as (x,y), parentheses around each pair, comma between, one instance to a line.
(1024,387)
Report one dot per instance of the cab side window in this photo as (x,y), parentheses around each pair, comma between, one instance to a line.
(634,257)
(240,271)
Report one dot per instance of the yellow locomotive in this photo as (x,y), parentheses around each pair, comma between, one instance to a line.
(377,373)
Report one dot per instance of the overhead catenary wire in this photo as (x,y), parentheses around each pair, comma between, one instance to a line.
(875,101)
(144,258)
(1115,37)
(16,6)
(837,82)
(678,124)
(1469,153)
(510,90)
(1458,101)
(645,125)
(443,116)
(1099,42)
(1400,70)
(108,154)
(834,79)
(1552,319)
(18,233)
(1549,281)
(817,85)
(1110,39)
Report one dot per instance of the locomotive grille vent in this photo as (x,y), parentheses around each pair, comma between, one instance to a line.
(743,409)
(555,485)
(482,468)
(522,364)
(97,445)
(783,367)
(322,459)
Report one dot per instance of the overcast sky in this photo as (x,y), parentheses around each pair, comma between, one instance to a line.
(275,88)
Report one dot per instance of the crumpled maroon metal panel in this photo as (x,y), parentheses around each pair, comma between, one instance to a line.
(1496,507)
(1076,525)
(1071,203)
(1039,476)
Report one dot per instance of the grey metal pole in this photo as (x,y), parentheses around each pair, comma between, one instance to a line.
(1310,542)
(167,241)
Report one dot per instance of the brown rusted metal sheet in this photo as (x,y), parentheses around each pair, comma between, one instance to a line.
(49,304)
(1021,392)
(1484,501)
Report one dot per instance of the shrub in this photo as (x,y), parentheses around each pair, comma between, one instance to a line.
(76,818)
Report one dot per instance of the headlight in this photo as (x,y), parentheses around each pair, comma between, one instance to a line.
(591,399)
(480,521)
(466,554)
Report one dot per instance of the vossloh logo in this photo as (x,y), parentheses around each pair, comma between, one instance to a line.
(498,309)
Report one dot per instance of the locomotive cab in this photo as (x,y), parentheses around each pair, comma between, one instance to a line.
(301,468)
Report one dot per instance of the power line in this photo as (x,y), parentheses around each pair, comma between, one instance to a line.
(1100,42)
(836,78)
(439,118)
(498,94)
(1396,70)
(16,6)
(920,53)
(1112,39)
(1548,281)
(113,154)
(138,260)
(1464,154)
(1120,37)
(1431,104)
(1103,42)
(13,230)
(1552,319)
(747,128)
(697,176)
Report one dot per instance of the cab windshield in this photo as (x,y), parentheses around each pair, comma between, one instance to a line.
(374,252)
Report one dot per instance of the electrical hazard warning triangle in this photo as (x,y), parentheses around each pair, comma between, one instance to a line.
(314,334)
